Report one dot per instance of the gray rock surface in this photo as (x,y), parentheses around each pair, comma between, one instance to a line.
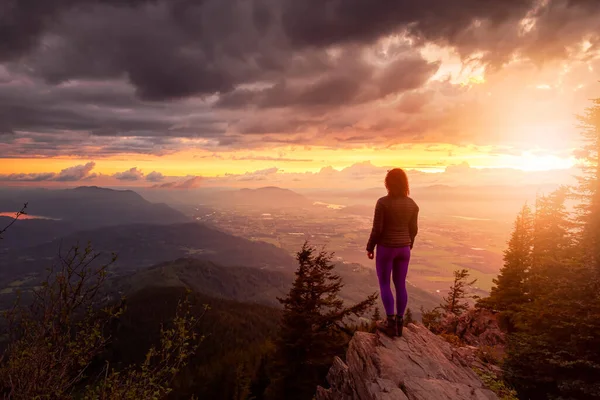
(418,366)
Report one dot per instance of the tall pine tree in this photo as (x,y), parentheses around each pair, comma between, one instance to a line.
(555,353)
(589,185)
(552,228)
(552,242)
(509,292)
(313,328)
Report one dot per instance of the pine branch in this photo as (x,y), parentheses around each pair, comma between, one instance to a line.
(16,217)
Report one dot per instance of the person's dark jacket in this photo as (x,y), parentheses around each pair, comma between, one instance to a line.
(394,223)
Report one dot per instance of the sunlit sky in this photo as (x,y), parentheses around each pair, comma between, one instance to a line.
(221,91)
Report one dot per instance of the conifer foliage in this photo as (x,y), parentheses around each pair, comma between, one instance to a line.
(455,302)
(408,317)
(313,327)
(509,293)
(376,315)
(54,341)
(550,285)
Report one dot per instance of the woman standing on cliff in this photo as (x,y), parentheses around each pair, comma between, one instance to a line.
(394,231)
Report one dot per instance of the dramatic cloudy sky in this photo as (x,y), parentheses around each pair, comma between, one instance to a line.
(173,93)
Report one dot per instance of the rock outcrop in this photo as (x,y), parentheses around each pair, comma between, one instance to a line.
(417,366)
(476,327)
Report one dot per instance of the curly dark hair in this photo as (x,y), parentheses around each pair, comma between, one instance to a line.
(396,182)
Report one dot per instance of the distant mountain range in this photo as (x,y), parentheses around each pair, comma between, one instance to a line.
(77,209)
(497,202)
(459,193)
(165,250)
(266,197)
(203,260)
(91,206)
(144,245)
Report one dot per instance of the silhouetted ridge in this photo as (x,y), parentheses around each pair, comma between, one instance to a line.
(92,206)
(235,283)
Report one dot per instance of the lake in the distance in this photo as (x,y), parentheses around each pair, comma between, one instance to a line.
(24,216)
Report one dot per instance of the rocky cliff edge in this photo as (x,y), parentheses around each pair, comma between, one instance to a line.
(417,366)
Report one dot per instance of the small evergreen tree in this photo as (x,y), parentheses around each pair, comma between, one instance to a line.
(313,327)
(455,302)
(432,319)
(408,317)
(376,315)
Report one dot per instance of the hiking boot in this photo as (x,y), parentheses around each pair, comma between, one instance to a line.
(399,325)
(388,326)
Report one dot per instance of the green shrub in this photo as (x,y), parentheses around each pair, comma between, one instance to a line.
(496,385)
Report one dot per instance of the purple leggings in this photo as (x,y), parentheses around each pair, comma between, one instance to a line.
(393,261)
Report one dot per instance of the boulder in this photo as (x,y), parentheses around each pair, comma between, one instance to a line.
(417,366)
(479,327)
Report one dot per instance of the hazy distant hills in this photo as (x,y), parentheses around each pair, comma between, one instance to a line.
(144,245)
(91,206)
(206,260)
(29,232)
(163,250)
(266,197)
(497,202)
(454,193)
(253,285)
(70,210)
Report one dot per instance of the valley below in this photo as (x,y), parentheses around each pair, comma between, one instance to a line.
(259,228)
(445,242)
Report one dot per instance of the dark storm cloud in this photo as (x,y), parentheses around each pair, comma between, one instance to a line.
(94,76)
(165,28)
(95,119)
(182,48)
(103,110)
(166,49)
(321,23)
(352,81)
(492,27)
(22,22)
(80,145)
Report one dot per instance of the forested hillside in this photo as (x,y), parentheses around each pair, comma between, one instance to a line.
(548,292)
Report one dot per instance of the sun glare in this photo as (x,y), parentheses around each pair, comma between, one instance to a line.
(532,162)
